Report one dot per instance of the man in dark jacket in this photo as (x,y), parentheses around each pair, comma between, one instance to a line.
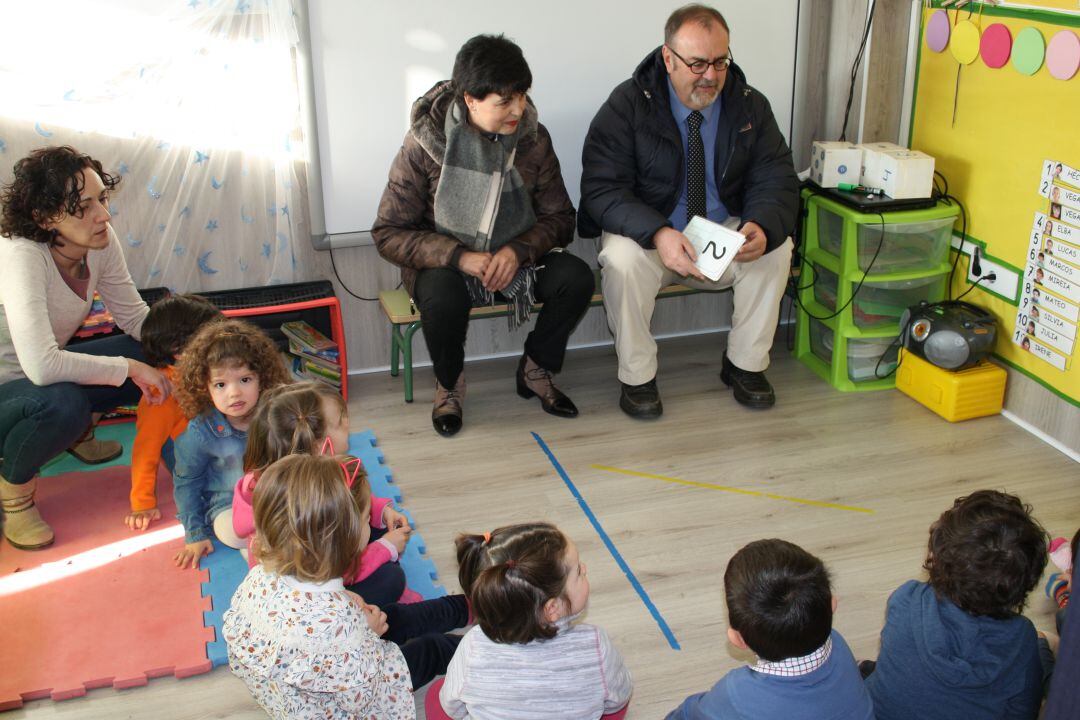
(687,136)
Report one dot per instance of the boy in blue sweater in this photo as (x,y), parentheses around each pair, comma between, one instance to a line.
(780,606)
(958,647)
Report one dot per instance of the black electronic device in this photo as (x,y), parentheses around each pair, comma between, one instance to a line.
(871,203)
(952,334)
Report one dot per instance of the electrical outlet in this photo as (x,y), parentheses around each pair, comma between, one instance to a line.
(1006,281)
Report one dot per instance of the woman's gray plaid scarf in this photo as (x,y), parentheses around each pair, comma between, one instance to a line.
(482,201)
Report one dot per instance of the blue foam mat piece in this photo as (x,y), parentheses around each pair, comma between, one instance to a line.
(420,572)
(227,569)
(227,566)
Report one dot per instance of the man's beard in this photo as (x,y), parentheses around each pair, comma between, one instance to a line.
(705,95)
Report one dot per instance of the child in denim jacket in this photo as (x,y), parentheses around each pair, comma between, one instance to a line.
(224,369)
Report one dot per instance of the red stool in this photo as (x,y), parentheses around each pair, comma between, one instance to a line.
(433,708)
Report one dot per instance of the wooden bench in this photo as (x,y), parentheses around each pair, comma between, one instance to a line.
(405,321)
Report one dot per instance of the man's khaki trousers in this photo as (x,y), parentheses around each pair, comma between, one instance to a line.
(631,276)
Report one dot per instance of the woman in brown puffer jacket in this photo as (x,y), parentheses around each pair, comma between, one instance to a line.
(475,212)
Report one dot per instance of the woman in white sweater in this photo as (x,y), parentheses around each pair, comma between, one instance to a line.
(59,249)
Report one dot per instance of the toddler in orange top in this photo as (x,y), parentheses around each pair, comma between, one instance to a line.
(171,321)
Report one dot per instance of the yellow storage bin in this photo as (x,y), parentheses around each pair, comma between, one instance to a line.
(955,396)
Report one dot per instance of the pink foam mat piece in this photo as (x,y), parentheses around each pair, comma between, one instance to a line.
(75,620)
(86,510)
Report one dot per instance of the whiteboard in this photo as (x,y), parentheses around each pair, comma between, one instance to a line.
(372,59)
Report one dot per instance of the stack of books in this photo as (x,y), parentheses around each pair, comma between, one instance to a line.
(313,355)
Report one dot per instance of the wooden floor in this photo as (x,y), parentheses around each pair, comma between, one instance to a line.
(878,451)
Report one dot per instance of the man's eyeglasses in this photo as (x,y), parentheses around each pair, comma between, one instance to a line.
(698,67)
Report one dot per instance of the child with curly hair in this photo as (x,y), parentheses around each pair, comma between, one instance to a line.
(221,374)
(958,646)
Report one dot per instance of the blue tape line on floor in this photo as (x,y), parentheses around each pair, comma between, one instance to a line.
(610,545)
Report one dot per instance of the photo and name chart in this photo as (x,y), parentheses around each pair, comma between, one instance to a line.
(1049,310)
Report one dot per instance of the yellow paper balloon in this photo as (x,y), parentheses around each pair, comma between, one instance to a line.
(965,42)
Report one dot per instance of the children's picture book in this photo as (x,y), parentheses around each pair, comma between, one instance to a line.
(715,244)
(310,340)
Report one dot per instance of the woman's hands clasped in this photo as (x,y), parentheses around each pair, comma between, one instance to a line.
(494,270)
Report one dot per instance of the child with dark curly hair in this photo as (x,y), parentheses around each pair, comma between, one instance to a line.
(221,374)
(958,647)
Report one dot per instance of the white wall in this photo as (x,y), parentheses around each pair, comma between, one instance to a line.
(371,60)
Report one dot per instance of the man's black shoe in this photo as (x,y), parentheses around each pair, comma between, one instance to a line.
(641,401)
(751,388)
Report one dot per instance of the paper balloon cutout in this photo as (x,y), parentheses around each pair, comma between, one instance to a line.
(1028,51)
(1063,55)
(937,31)
(995,45)
(965,42)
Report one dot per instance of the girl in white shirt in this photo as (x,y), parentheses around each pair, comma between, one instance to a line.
(305,646)
(529,658)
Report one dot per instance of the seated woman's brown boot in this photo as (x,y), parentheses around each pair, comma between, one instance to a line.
(446,415)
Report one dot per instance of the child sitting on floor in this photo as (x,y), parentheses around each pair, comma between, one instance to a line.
(529,659)
(780,607)
(220,376)
(304,645)
(958,647)
(311,418)
(167,328)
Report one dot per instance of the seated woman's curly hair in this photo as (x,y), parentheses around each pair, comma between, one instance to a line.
(48,183)
(228,343)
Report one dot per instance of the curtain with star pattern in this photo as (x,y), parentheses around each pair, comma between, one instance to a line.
(195,103)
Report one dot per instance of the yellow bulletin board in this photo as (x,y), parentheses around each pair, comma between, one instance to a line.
(990,131)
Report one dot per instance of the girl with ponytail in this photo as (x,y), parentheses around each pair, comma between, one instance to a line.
(528,657)
(311,418)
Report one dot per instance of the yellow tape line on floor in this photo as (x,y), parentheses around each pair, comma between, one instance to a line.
(739,491)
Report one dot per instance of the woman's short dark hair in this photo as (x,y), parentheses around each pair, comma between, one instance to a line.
(170,324)
(986,553)
(488,64)
(509,576)
(779,599)
(47,183)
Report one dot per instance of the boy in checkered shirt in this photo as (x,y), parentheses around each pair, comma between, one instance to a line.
(780,607)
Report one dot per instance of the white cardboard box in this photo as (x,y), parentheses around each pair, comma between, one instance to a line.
(871,161)
(832,163)
(906,174)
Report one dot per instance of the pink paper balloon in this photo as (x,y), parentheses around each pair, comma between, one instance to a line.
(1063,55)
(995,45)
(937,31)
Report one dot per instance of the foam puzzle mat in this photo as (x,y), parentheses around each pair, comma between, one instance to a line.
(106,607)
(102,606)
